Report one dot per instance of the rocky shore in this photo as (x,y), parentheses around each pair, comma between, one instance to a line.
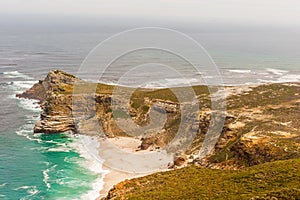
(261,122)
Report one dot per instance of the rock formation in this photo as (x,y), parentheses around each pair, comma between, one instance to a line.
(261,122)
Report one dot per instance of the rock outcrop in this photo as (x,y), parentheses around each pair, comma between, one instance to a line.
(261,122)
(56,108)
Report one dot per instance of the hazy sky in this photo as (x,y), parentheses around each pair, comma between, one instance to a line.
(236,11)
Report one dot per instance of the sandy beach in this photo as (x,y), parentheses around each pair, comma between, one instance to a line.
(112,159)
(113,175)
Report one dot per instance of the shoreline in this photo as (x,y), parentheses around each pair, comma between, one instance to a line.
(114,176)
(89,147)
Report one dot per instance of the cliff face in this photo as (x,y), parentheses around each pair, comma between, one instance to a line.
(56,113)
(261,122)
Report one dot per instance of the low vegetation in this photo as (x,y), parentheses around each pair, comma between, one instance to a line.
(276,180)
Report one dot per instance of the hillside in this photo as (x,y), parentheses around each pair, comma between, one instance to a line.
(276,180)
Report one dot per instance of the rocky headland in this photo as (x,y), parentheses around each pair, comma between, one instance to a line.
(261,122)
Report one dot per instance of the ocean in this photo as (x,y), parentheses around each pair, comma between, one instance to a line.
(37,166)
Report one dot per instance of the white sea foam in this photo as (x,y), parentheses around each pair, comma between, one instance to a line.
(276,71)
(16,74)
(97,186)
(70,160)
(289,78)
(199,73)
(263,81)
(6,83)
(208,77)
(29,104)
(180,81)
(153,84)
(46,178)
(60,181)
(23,187)
(88,148)
(59,149)
(40,149)
(31,190)
(28,134)
(53,142)
(22,85)
(240,71)
(3,184)
(46,175)
(250,83)
(171,82)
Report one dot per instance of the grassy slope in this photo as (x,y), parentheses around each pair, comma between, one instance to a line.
(164,94)
(279,179)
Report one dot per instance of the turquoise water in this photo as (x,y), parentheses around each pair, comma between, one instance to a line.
(37,166)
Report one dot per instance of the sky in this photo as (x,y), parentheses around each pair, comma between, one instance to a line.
(262,12)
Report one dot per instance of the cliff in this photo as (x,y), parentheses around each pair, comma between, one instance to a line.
(56,113)
(261,122)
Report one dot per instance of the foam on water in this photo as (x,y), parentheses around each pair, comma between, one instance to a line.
(240,71)
(16,74)
(181,81)
(289,78)
(28,134)
(23,84)
(276,71)
(6,83)
(29,104)
(88,147)
(46,175)
(171,82)
(31,190)
(19,86)
(59,149)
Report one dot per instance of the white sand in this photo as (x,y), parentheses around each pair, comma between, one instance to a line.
(126,143)
(113,158)
(120,153)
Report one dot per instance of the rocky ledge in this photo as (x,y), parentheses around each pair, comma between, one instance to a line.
(261,122)
(56,115)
